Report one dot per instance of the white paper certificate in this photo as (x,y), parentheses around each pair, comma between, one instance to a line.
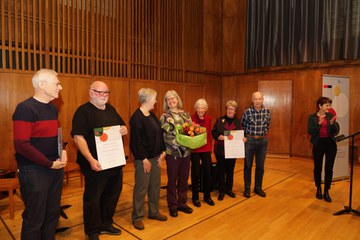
(234,144)
(109,147)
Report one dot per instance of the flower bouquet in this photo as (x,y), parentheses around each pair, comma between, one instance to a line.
(191,135)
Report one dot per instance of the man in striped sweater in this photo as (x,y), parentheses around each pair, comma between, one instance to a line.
(40,160)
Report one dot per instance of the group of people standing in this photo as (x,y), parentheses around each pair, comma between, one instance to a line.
(41,156)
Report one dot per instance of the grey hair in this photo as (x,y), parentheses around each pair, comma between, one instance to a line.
(168,94)
(231,103)
(145,94)
(42,75)
(201,103)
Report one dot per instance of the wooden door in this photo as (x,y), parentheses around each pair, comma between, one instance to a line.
(278,98)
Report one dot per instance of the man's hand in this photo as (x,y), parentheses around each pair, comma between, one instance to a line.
(95,165)
(60,162)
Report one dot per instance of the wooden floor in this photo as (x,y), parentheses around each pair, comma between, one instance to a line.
(290,210)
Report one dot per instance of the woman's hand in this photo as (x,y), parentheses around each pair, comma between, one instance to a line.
(332,120)
(147,165)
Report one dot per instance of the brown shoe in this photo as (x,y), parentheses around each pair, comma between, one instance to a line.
(139,225)
(159,217)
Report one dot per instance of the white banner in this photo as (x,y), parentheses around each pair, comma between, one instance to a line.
(337,89)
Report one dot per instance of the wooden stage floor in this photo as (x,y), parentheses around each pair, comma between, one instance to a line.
(290,210)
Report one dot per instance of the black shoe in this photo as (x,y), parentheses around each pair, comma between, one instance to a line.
(327,197)
(259,192)
(185,209)
(231,194)
(318,193)
(221,196)
(173,212)
(209,201)
(196,203)
(94,236)
(111,230)
(247,192)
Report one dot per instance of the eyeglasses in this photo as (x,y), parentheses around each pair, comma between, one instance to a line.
(102,93)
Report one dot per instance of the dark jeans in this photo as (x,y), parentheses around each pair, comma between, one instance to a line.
(225,173)
(327,147)
(196,168)
(257,148)
(41,192)
(178,174)
(101,195)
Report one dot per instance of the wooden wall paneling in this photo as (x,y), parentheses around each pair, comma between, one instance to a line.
(3,26)
(22,33)
(212,39)
(16,35)
(28,34)
(40,37)
(212,90)
(18,87)
(47,33)
(245,86)
(53,35)
(10,34)
(231,36)
(73,37)
(69,37)
(92,37)
(278,98)
(228,91)
(105,44)
(192,92)
(77,7)
(75,93)
(86,50)
(307,88)
(119,98)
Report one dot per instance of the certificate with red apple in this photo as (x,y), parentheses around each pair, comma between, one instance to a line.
(109,147)
(234,144)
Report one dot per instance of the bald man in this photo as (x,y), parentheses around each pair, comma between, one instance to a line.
(255,122)
(102,187)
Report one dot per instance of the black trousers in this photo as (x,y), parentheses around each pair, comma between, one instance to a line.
(327,147)
(225,173)
(196,169)
(101,195)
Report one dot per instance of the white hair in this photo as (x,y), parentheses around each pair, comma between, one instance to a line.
(42,75)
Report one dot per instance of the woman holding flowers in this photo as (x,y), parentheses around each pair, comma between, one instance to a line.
(177,156)
(225,166)
(201,156)
(148,147)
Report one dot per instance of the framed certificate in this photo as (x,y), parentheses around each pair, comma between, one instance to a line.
(234,144)
(109,147)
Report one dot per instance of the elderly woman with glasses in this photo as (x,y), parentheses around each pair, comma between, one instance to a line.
(177,156)
(226,167)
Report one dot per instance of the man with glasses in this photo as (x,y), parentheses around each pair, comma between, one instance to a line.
(102,187)
(40,157)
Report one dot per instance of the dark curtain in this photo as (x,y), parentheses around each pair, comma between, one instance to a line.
(287,32)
